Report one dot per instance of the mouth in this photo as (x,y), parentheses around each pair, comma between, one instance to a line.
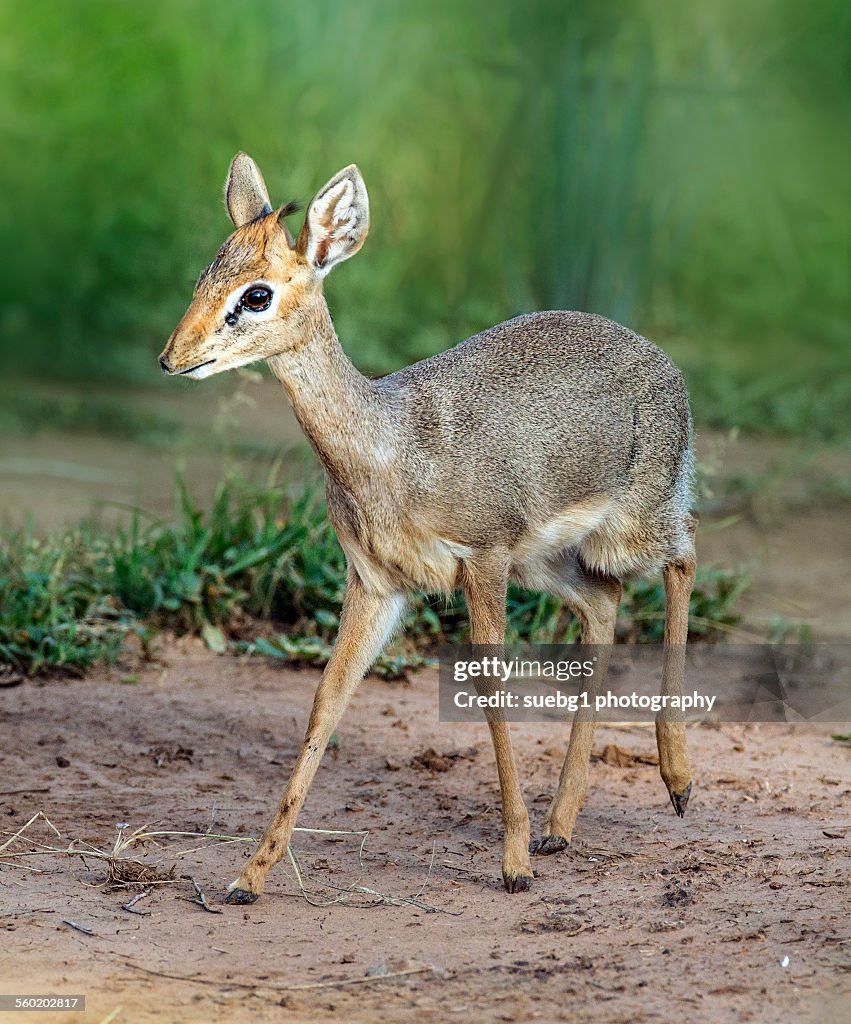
(193,369)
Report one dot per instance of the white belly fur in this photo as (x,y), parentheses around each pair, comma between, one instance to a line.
(566,530)
(430,563)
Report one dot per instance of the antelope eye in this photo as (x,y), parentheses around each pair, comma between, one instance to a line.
(257,299)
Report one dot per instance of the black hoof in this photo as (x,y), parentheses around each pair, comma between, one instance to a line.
(241,897)
(546,845)
(518,883)
(680,800)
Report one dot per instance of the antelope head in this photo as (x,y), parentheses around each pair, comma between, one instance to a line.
(258,296)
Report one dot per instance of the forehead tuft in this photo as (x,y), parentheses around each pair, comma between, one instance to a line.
(249,252)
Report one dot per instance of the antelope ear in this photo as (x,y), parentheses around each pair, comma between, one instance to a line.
(337,221)
(246,195)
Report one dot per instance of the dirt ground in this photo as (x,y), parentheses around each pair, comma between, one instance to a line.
(740,912)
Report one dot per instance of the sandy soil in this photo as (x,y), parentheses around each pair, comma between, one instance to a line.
(738,913)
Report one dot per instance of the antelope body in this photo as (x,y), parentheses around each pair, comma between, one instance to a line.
(553,450)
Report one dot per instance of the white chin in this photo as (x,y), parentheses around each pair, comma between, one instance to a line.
(201,372)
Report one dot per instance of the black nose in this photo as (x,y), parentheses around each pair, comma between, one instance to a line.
(164,365)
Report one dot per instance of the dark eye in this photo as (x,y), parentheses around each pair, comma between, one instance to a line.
(257,299)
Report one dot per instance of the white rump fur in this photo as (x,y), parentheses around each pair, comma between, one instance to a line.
(337,221)
(246,195)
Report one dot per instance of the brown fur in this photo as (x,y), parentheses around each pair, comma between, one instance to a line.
(553,450)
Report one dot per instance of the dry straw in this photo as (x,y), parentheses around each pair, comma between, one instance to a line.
(122,870)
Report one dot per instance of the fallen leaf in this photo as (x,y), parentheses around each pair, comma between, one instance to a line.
(620,758)
(430,760)
(214,638)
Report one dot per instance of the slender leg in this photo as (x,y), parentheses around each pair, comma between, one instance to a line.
(485,583)
(595,601)
(671,734)
(366,623)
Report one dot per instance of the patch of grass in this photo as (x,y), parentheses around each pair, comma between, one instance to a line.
(784,632)
(56,608)
(257,551)
(774,401)
(262,560)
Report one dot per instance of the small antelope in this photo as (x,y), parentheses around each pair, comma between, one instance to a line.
(553,450)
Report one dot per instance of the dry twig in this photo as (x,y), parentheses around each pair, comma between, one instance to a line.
(304,987)
(122,870)
(202,899)
(131,903)
(78,927)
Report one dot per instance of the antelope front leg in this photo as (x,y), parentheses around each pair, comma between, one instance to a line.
(366,623)
(485,587)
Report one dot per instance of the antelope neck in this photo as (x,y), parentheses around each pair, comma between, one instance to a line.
(347,420)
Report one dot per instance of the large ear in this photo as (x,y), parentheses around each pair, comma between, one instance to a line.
(246,195)
(337,221)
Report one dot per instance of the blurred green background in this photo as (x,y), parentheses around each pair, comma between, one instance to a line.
(682,168)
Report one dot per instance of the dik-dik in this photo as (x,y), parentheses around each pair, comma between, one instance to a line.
(553,450)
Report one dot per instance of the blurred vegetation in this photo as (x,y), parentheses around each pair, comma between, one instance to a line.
(259,554)
(682,168)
